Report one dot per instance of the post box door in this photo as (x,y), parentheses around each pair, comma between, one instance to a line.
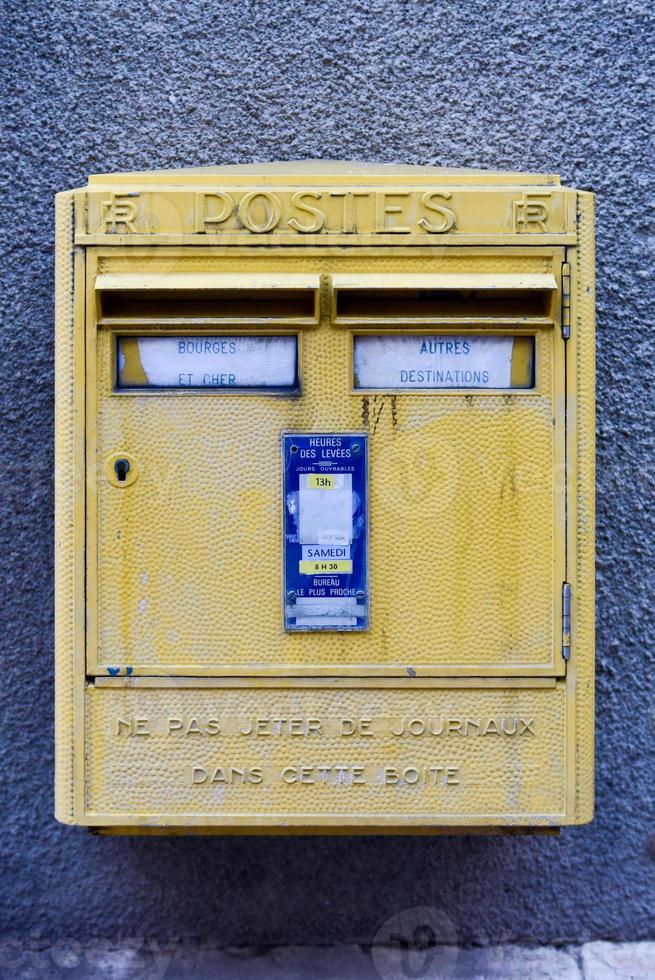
(466,487)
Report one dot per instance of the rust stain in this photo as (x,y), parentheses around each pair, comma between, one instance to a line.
(377,412)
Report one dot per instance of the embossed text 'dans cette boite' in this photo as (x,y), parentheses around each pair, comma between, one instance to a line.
(444,770)
(317,213)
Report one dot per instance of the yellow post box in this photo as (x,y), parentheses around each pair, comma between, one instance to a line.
(324,516)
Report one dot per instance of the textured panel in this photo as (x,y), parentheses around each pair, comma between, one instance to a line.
(377,260)
(463,516)
(461,756)
(585,432)
(64,506)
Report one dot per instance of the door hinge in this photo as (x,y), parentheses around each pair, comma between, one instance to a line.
(566,300)
(566,620)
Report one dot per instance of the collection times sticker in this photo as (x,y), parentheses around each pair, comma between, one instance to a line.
(325,531)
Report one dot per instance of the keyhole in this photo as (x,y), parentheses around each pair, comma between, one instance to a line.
(121,467)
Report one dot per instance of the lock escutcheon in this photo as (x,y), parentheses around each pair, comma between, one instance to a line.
(121,470)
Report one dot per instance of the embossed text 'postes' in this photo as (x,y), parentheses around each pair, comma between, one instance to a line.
(313,212)
(384,214)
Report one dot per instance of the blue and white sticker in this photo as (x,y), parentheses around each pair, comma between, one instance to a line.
(325,531)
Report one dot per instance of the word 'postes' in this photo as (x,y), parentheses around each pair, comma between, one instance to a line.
(313,212)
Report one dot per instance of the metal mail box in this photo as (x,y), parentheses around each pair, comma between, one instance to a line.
(324,501)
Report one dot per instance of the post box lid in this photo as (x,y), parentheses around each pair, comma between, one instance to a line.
(350,171)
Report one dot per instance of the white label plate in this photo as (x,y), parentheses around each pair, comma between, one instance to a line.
(326,516)
(419,361)
(207,362)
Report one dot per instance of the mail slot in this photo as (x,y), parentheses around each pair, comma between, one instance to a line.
(324,508)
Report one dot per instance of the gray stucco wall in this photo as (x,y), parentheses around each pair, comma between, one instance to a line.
(562,86)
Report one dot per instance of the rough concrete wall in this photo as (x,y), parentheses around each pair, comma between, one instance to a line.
(96,85)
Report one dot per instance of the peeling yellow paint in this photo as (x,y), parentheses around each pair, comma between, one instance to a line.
(169,586)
